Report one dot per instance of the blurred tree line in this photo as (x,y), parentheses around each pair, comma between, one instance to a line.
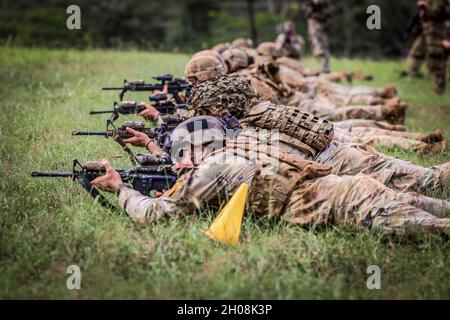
(191,25)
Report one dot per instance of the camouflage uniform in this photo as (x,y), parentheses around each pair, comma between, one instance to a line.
(264,78)
(397,174)
(214,98)
(341,95)
(289,42)
(296,65)
(391,139)
(364,123)
(297,191)
(318,14)
(416,55)
(434,29)
(393,111)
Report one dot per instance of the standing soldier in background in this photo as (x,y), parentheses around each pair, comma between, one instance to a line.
(318,15)
(434,15)
(418,51)
(446,41)
(289,42)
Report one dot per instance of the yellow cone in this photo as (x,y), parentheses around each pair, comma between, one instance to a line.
(226,227)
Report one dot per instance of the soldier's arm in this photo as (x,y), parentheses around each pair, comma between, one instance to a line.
(210,181)
(144,209)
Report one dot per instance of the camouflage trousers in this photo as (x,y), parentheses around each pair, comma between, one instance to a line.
(319,43)
(359,95)
(363,201)
(352,159)
(364,123)
(416,56)
(436,60)
(328,110)
(408,141)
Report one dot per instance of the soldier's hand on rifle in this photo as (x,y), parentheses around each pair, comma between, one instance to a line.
(140,139)
(110,181)
(149,113)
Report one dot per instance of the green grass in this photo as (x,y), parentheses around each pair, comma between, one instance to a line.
(48,224)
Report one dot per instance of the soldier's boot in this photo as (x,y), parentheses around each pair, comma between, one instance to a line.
(339,77)
(437,147)
(433,137)
(437,207)
(388,92)
(439,84)
(400,218)
(444,175)
(414,67)
(394,111)
(359,75)
(324,62)
(427,222)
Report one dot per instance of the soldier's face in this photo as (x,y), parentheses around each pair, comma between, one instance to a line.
(191,157)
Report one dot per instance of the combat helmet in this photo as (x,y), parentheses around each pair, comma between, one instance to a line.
(235,59)
(195,132)
(221,47)
(211,53)
(268,49)
(204,68)
(229,95)
(242,43)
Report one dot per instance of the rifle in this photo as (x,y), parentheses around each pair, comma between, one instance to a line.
(174,86)
(161,135)
(132,107)
(121,131)
(154,176)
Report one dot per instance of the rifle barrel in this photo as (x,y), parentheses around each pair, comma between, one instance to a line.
(101,111)
(51,174)
(89,133)
(113,88)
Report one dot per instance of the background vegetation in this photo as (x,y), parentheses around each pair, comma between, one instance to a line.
(189,25)
(48,224)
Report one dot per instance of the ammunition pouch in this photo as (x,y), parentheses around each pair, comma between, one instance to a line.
(298,129)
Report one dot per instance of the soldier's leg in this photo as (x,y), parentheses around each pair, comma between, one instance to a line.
(392,142)
(364,123)
(319,43)
(357,95)
(367,131)
(409,141)
(393,114)
(358,200)
(437,64)
(416,56)
(398,218)
(327,110)
(352,159)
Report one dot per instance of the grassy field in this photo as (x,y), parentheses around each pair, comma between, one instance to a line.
(48,224)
